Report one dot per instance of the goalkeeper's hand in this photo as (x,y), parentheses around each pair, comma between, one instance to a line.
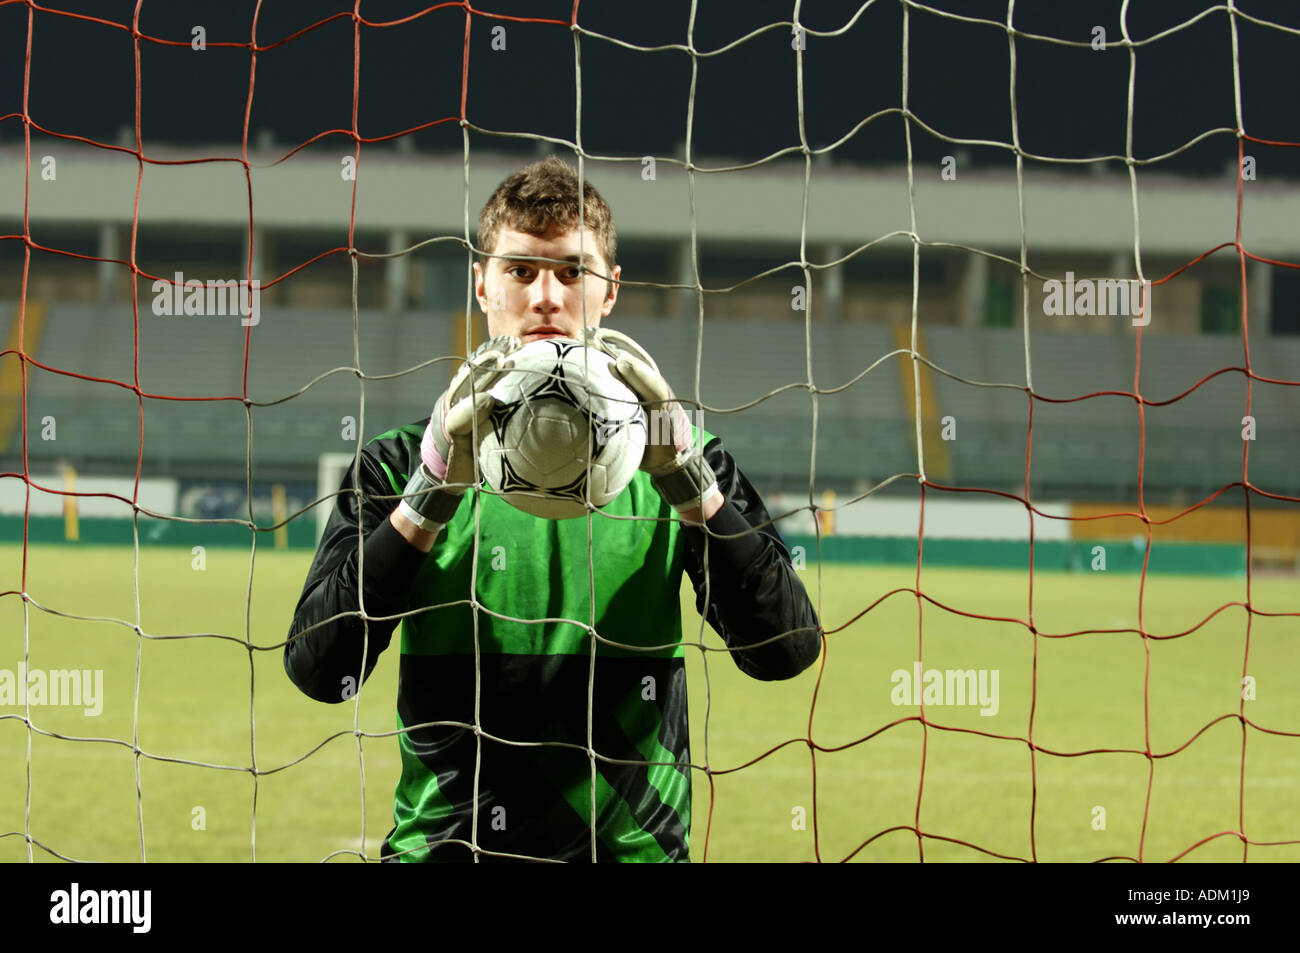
(449,446)
(679,471)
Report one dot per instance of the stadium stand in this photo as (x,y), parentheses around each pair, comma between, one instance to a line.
(865,433)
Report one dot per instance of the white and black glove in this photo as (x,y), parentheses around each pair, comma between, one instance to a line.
(675,464)
(448,449)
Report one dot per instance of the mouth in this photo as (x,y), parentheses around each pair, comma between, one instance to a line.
(544,331)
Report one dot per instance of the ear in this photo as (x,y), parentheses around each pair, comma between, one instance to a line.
(480,287)
(611,295)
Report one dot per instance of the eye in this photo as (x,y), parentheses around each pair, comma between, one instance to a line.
(573,273)
(518,271)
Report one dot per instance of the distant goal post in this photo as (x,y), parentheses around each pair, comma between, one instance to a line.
(330,468)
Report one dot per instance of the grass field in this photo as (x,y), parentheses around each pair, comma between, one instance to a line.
(203,700)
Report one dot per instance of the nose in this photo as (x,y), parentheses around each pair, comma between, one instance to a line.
(545,293)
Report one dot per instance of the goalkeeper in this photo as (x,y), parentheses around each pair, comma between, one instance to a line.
(523,787)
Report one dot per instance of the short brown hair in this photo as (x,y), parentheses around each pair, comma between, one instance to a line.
(543,196)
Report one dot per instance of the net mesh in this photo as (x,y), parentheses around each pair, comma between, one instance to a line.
(810,271)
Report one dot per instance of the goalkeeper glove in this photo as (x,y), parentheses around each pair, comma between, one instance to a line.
(677,468)
(448,448)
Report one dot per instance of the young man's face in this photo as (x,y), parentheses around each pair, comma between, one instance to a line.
(532,300)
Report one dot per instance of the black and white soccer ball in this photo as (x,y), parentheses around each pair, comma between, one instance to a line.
(564,430)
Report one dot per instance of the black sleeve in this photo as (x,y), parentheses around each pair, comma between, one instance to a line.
(325,658)
(753,593)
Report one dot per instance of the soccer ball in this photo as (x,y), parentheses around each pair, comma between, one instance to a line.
(565,429)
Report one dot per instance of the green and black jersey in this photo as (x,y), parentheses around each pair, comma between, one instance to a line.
(553,642)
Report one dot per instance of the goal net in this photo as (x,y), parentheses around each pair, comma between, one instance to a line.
(1020,400)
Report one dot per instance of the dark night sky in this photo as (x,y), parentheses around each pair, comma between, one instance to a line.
(1071,101)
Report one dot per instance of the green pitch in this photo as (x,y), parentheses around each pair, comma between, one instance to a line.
(208,709)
